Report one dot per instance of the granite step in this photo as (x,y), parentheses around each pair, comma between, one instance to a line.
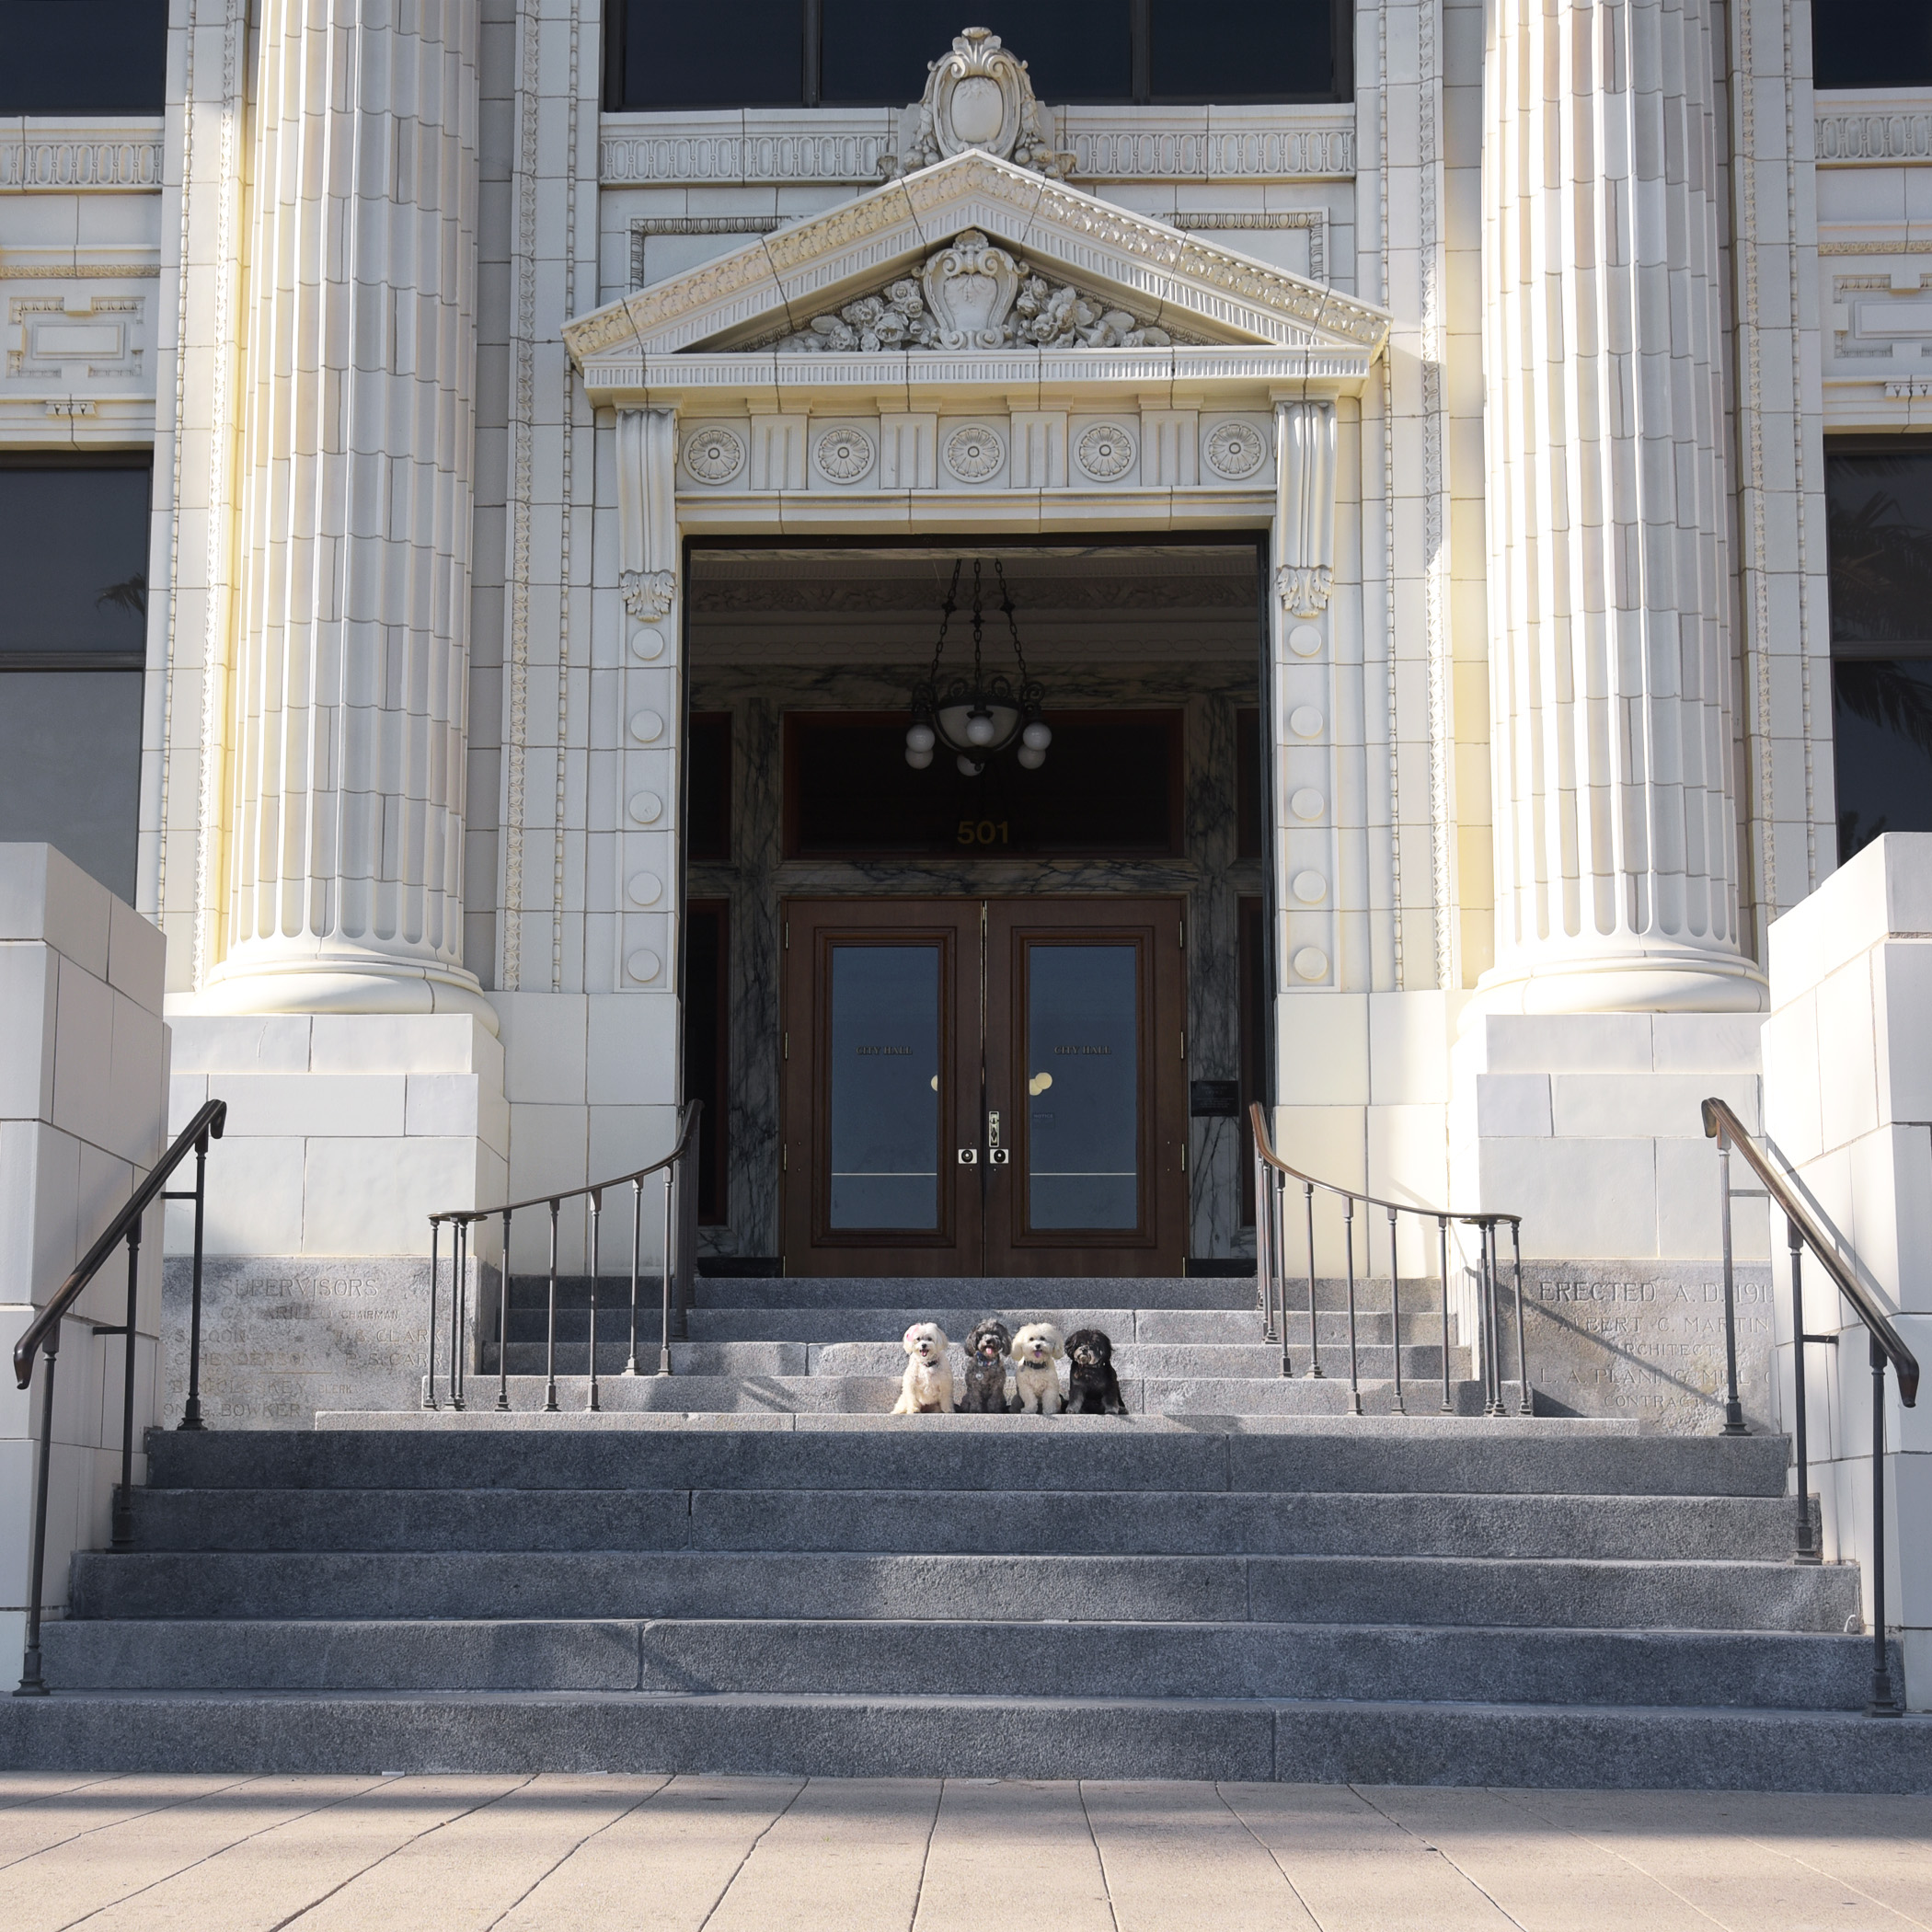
(1121,1326)
(1108,1522)
(990,1292)
(1777,1670)
(1003,1454)
(1253,1739)
(1569,1594)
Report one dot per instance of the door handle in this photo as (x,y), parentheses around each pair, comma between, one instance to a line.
(995,1154)
(969,1157)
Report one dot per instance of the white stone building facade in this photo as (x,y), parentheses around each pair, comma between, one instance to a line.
(474,405)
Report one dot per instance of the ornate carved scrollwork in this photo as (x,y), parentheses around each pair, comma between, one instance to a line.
(1304,588)
(979,96)
(649,594)
(972,293)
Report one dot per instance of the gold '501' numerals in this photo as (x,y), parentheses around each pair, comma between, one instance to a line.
(981,832)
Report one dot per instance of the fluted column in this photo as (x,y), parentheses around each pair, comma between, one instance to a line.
(351,660)
(1616,822)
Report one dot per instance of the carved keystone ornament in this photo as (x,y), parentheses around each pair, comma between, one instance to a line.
(979,96)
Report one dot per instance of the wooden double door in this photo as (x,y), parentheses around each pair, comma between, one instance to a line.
(990,1086)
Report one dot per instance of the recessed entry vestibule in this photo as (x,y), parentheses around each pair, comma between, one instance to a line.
(956,1024)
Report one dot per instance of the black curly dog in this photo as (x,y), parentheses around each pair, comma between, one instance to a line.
(985,1390)
(1092,1388)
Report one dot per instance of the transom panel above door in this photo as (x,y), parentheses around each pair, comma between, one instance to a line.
(983,1087)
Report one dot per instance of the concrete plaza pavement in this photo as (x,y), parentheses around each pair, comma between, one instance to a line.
(574,1854)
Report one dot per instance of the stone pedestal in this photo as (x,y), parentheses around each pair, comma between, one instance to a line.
(1847,1096)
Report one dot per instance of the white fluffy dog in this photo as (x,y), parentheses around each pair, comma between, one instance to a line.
(928,1388)
(1035,1350)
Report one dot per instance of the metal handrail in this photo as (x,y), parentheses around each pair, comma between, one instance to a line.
(680,1224)
(1271,1176)
(42,1338)
(1723,1126)
(1884,1346)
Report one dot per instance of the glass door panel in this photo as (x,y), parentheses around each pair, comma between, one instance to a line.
(883,1070)
(1083,1133)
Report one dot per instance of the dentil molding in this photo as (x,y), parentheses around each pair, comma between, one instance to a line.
(72,157)
(770,147)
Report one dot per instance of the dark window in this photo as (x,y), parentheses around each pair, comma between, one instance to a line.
(1878,524)
(863,53)
(1111,787)
(83,56)
(707,1038)
(1250,818)
(72,637)
(1871,43)
(707,813)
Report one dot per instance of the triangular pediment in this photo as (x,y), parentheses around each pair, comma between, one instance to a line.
(1133,279)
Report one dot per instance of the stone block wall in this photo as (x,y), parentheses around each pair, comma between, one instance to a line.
(84,1059)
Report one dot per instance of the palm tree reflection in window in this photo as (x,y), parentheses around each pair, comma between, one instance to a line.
(130,595)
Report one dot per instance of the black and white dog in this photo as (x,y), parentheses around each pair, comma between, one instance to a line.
(985,1390)
(1092,1388)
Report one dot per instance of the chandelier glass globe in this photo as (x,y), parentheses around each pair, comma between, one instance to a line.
(980,717)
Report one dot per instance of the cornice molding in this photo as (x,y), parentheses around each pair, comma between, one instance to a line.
(75,156)
(1859,129)
(764,147)
(1153,269)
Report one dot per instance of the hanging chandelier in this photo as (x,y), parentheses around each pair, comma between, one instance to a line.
(977,717)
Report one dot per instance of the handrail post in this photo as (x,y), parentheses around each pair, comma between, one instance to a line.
(592,1404)
(125,1496)
(1491,1328)
(1442,1236)
(1314,1321)
(550,1342)
(1526,1403)
(191,1408)
(1733,1409)
(1808,1550)
(1395,1305)
(428,1381)
(1277,1251)
(636,1236)
(459,1299)
(1347,1216)
(503,1321)
(664,1273)
(1884,1700)
(1264,1261)
(32,1684)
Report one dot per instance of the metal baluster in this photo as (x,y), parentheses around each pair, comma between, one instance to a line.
(191,1409)
(551,1339)
(428,1381)
(1527,1405)
(459,1301)
(32,1685)
(1264,1261)
(503,1321)
(1884,1700)
(597,1226)
(1278,1249)
(1733,1409)
(124,1498)
(1441,1236)
(1808,1550)
(1394,1304)
(1491,1330)
(664,1332)
(1314,1330)
(636,1236)
(1354,1375)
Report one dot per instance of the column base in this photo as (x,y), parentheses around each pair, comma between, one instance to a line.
(348,986)
(1664,981)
